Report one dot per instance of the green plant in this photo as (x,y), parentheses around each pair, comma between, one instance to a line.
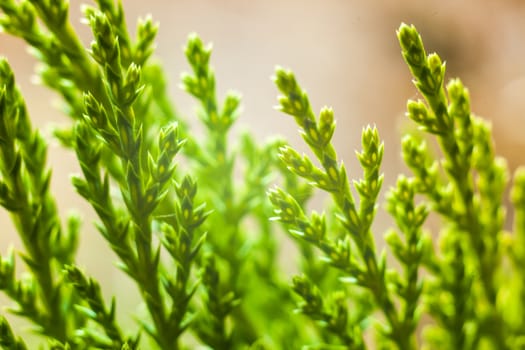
(200,241)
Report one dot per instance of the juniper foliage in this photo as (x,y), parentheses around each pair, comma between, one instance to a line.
(201,242)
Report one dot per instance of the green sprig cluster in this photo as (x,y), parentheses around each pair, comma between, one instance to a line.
(8,339)
(353,252)
(109,335)
(25,194)
(469,197)
(200,241)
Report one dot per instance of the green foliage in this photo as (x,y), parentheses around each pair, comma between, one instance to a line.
(201,240)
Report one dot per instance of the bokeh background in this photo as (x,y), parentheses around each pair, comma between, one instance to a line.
(344,53)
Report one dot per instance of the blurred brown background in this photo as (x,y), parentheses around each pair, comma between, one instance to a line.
(344,53)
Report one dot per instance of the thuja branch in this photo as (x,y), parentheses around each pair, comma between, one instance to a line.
(216,174)
(367,270)
(24,192)
(143,187)
(472,204)
(183,241)
(411,253)
(109,336)
(332,313)
(8,339)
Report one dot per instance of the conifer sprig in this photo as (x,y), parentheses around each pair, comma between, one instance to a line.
(109,335)
(411,252)
(25,194)
(8,340)
(363,266)
(146,178)
(332,314)
(183,240)
(471,200)
(213,328)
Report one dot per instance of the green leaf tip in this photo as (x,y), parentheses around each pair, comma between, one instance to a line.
(411,46)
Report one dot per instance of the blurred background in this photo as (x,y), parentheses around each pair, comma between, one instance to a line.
(344,53)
